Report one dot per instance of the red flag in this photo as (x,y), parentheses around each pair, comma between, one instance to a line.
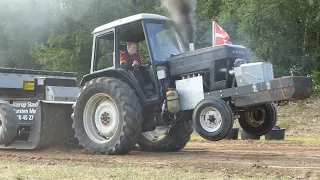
(220,36)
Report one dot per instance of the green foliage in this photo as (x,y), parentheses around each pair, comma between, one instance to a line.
(67,52)
(56,35)
(70,49)
(316,81)
(285,33)
(208,9)
(281,32)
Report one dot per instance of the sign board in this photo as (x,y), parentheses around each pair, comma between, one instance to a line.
(25,110)
(28,85)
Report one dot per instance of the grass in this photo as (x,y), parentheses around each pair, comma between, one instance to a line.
(306,140)
(300,107)
(25,171)
(285,124)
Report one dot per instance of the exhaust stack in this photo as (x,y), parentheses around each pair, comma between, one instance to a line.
(182,13)
(213,32)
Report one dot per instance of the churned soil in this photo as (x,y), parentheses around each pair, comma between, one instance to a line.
(291,159)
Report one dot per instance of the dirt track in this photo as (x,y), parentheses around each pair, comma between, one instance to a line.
(293,159)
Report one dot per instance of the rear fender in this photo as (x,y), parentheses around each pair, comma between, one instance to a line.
(119,74)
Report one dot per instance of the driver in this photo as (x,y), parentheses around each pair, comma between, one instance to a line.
(132,61)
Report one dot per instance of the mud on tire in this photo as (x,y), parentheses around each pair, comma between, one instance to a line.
(260,121)
(176,139)
(9,123)
(120,112)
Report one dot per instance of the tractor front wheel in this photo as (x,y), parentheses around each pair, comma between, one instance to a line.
(213,119)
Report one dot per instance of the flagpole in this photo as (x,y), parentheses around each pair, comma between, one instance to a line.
(213,32)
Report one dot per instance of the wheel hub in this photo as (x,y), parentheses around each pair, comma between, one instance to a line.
(101,118)
(257,114)
(210,119)
(105,118)
(256,117)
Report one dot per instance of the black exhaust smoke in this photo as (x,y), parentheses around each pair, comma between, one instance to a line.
(182,13)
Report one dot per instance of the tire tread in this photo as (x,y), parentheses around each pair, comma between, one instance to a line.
(176,139)
(9,124)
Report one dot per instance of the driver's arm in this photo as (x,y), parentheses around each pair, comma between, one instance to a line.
(126,65)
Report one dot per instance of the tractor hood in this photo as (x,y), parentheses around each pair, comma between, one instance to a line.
(204,59)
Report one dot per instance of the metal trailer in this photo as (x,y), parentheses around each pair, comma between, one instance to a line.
(26,91)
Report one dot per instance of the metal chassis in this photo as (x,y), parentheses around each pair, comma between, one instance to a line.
(280,89)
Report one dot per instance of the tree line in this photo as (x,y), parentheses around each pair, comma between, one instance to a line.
(56,35)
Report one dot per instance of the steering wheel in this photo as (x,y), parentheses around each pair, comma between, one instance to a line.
(142,60)
(144,64)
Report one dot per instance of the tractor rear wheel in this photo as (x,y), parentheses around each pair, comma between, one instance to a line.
(8,123)
(163,139)
(259,120)
(107,117)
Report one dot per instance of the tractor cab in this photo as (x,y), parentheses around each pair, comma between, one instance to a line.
(157,39)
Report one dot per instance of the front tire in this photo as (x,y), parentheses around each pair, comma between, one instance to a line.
(260,120)
(107,117)
(213,119)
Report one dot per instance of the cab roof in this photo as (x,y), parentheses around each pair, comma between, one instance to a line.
(129,19)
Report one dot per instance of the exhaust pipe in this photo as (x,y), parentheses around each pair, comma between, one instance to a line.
(213,32)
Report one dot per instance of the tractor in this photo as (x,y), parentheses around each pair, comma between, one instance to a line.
(202,90)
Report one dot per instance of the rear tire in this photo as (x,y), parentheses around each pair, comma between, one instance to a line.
(213,119)
(259,121)
(9,123)
(107,107)
(175,140)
